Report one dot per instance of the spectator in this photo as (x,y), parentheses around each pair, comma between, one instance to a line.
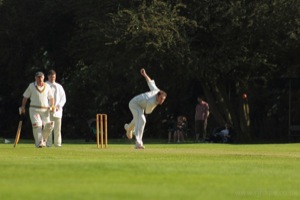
(91,134)
(171,123)
(223,134)
(181,129)
(201,116)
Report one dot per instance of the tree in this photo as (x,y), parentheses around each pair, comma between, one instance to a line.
(230,50)
(119,42)
(218,48)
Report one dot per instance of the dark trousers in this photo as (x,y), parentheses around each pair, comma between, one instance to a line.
(200,128)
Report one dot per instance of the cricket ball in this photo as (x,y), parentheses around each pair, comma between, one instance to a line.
(244,96)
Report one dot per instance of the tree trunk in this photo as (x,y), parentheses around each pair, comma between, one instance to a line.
(234,111)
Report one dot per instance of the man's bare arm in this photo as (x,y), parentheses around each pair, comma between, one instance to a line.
(144,74)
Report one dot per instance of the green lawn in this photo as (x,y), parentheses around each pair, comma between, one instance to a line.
(161,171)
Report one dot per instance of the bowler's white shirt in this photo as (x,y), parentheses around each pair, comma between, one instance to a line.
(147,100)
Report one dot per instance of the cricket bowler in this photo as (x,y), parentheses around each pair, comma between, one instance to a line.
(139,106)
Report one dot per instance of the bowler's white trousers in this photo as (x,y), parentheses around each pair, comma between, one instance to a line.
(139,120)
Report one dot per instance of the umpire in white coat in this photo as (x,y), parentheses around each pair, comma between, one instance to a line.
(140,104)
(56,116)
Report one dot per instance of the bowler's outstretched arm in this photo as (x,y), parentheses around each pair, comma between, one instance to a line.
(144,74)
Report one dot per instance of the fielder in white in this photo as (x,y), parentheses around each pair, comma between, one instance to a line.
(40,95)
(140,104)
(59,102)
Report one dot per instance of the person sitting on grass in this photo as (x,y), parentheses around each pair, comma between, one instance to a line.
(223,135)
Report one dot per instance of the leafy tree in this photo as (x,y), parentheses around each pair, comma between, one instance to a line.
(235,48)
(221,49)
(119,42)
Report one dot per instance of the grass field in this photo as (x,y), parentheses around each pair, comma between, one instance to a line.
(161,171)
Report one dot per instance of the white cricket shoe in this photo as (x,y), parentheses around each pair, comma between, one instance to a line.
(42,144)
(139,146)
(128,132)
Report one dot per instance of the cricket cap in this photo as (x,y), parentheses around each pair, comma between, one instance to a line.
(39,74)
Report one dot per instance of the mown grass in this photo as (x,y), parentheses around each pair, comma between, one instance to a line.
(161,171)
